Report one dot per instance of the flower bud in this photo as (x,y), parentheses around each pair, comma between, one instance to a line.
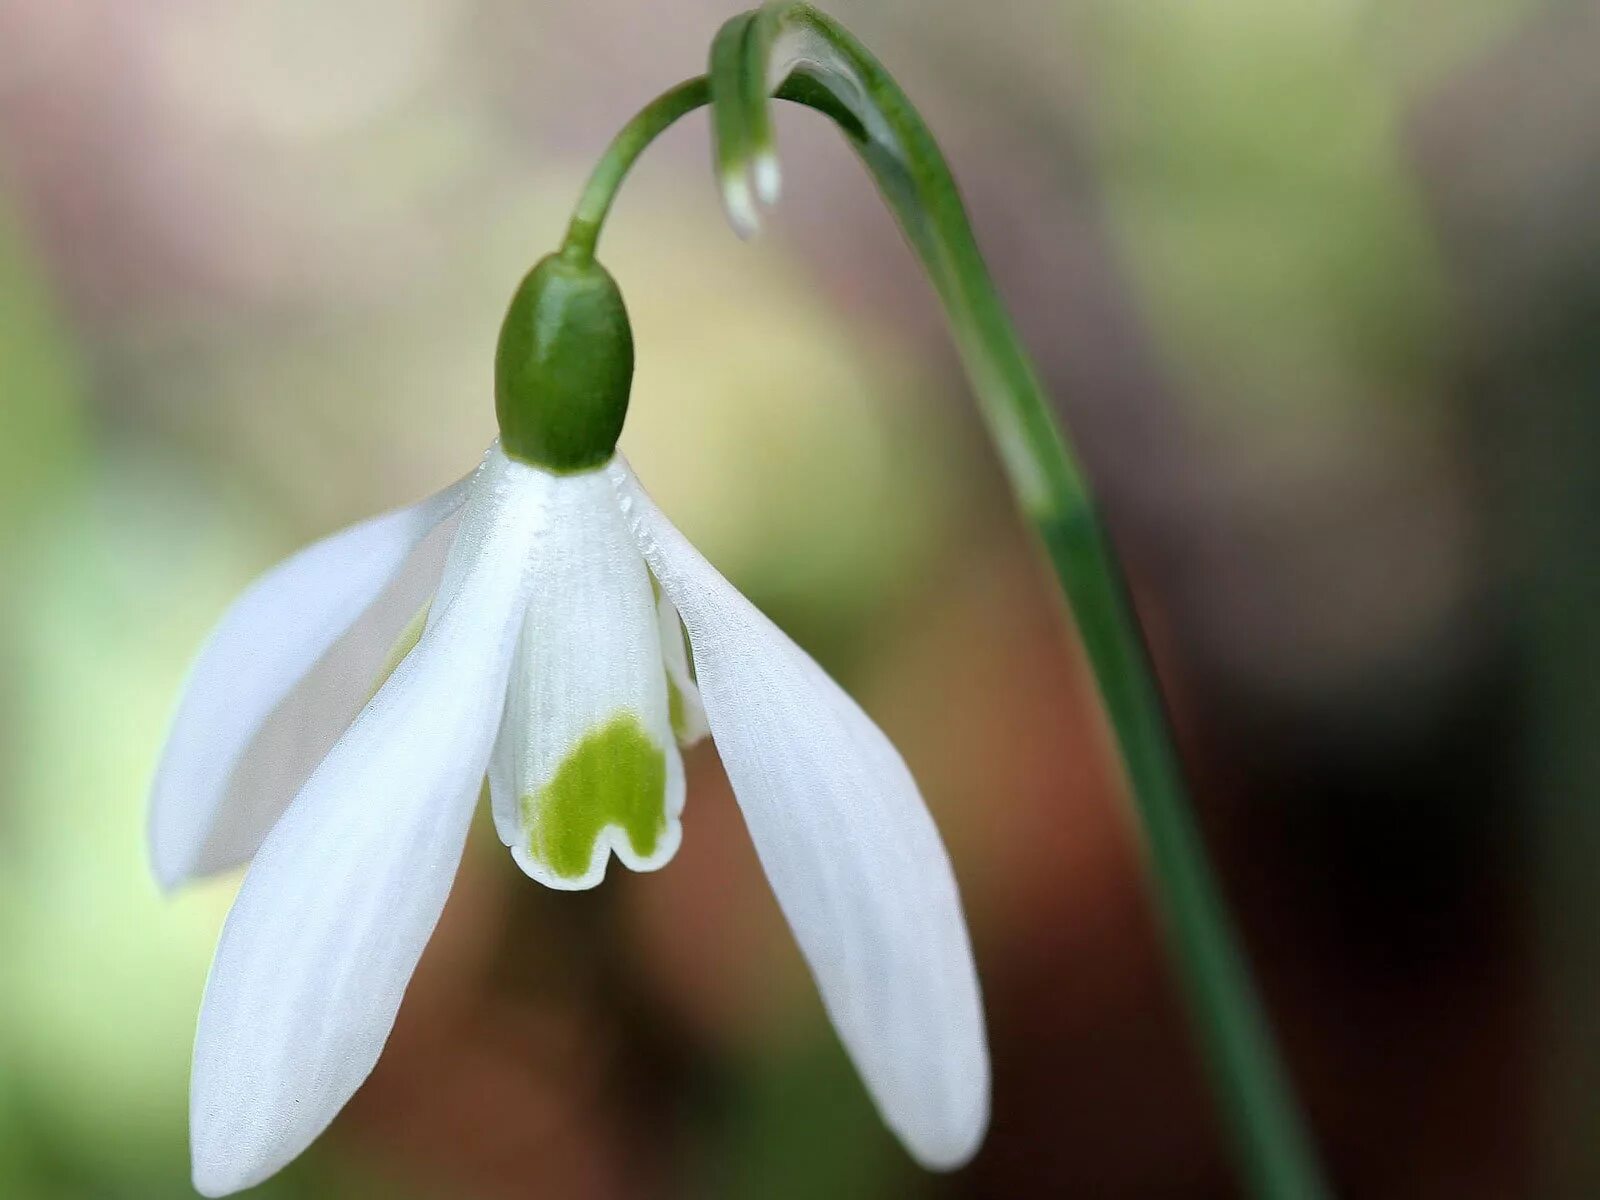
(563,367)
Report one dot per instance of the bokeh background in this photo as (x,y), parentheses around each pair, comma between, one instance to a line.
(1317,286)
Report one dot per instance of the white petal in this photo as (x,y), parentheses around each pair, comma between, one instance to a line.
(849,848)
(683,693)
(586,764)
(346,889)
(284,671)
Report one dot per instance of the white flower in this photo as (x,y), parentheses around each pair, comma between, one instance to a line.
(550,658)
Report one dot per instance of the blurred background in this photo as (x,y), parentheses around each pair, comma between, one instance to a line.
(1317,286)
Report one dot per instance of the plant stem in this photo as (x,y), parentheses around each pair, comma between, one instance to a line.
(822,65)
(828,70)
(583,232)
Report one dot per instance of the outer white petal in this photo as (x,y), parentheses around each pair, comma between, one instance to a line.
(688,714)
(252,720)
(849,847)
(588,669)
(346,889)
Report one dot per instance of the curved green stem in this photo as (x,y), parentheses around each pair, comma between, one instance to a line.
(583,232)
(794,51)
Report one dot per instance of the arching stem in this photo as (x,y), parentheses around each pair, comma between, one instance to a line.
(793,52)
(653,120)
(796,51)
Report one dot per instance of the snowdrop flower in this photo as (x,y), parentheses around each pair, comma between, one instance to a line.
(547,654)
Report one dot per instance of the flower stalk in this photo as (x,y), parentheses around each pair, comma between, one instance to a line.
(795,52)
(583,232)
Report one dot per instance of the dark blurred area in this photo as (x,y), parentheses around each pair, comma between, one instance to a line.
(1317,287)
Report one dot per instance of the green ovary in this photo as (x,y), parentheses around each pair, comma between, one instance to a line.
(614,776)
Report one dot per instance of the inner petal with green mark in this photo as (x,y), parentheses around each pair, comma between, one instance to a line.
(586,766)
(613,784)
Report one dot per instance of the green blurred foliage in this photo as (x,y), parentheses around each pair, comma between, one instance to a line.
(40,387)
(1251,154)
